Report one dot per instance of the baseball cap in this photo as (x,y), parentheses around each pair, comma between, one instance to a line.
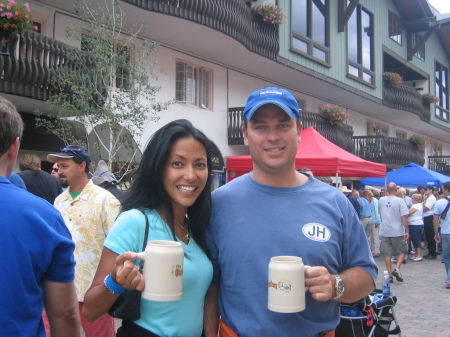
(271,95)
(71,151)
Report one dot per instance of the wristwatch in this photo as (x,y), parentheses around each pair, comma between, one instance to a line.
(339,287)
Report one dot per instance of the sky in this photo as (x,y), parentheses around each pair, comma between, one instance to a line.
(443,6)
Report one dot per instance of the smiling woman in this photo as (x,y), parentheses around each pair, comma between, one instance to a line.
(172,187)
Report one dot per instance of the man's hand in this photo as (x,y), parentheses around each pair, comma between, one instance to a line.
(318,279)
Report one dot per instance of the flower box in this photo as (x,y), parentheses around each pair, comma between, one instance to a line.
(270,14)
(393,79)
(430,98)
(333,113)
(14,17)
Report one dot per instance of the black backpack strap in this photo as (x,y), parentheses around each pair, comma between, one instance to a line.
(144,244)
(444,213)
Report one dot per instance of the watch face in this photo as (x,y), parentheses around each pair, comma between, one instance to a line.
(340,287)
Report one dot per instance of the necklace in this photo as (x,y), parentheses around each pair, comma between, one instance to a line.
(187,236)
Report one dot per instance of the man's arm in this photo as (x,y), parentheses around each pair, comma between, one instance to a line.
(61,305)
(437,238)
(211,311)
(358,283)
(405,224)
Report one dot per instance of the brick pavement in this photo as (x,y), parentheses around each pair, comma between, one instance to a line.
(422,307)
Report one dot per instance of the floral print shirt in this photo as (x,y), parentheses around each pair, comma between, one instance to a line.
(89,217)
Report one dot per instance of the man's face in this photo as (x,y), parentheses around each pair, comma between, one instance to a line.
(272,138)
(428,192)
(69,171)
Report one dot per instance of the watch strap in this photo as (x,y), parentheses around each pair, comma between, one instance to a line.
(337,286)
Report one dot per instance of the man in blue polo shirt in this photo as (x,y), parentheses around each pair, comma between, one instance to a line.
(365,216)
(36,251)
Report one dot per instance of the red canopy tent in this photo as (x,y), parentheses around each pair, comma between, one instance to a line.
(320,155)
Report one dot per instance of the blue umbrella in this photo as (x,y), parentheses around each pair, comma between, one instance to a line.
(409,175)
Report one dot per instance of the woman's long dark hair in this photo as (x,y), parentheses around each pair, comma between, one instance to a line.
(147,189)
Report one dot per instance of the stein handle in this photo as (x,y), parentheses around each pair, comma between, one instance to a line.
(306,267)
(141,256)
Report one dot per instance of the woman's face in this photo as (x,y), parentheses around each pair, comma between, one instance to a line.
(185,173)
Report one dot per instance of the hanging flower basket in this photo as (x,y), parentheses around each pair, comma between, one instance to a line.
(430,98)
(420,141)
(270,14)
(393,79)
(333,113)
(14,17)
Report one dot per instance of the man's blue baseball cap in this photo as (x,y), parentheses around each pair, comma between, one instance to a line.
(271,95)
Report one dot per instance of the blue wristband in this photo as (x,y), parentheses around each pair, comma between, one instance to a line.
(113,287)
(407,232)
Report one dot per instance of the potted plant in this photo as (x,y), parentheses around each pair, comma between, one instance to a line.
(271,14)
(333,113)
(14,17)
(430,98)
(419,140)
(393,79)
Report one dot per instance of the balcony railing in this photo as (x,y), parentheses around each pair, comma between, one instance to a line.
(394,152)
(406,98)
(231,17)
(340,134)
(440,164)
(25,64)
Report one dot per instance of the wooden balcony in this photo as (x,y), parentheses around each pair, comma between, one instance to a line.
(340,134)
(406,98)
(440,164)
(231,17)
(25,64)
(394,152)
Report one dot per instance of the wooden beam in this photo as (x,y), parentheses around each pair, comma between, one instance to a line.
(413,49)
(345,12)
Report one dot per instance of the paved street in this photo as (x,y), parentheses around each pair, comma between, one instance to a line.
(423,301)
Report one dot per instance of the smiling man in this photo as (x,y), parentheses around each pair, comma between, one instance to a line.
(89,212)
(276,210)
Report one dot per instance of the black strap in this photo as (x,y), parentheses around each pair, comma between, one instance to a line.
(144,244)
(444,213)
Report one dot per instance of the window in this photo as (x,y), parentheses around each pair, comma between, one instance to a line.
(38,25)
(377,129)
(395,28)
(122,60)
(442,107)
(123,67)
(193,85)
(435,149)
(421,52)
(360,46)
(400,134)
(310,28)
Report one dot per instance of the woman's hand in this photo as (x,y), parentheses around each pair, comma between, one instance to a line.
(126,274)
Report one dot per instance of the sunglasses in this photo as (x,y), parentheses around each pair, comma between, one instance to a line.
(66,150)
(55,169)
